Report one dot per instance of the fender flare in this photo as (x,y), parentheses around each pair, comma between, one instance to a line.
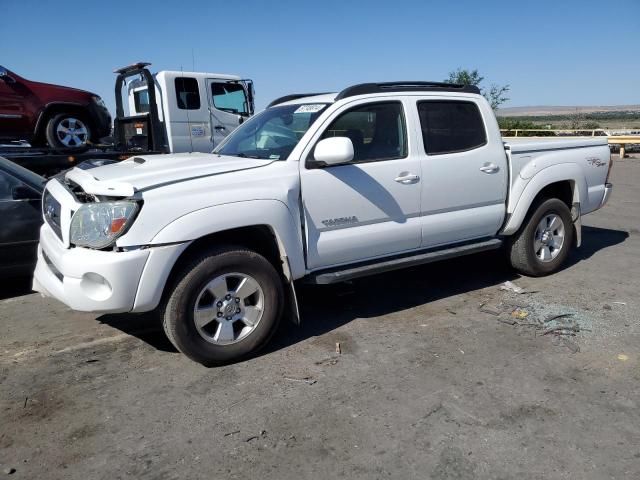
(527,190)
(273,214)
(44,113)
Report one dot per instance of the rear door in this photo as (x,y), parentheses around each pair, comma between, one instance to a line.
(464,169)
(14,124)
(370,206)
(228,107)
(188,115)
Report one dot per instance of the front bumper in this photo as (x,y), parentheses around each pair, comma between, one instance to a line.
(87,280)
(100,281)
(608,188)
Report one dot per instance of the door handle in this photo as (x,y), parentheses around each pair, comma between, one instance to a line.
(220,127)
(407,178)
(489,168)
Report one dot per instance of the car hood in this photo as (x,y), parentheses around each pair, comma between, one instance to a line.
(124,178)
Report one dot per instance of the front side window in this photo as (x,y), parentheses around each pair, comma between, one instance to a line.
(451,126)
(7,185)
(229,97)
(187,94)
(272,134)
(377,131)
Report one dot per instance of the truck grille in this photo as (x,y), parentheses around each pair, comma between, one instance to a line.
(52,212)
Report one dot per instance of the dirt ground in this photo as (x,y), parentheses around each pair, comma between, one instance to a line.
(426,385)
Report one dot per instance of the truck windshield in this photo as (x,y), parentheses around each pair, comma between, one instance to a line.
(272,134)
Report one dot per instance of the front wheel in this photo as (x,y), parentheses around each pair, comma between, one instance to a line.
(68,131)
(227,304)
(542,244)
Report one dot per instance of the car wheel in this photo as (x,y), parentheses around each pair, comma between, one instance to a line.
(68,131)
(225,304)
(542,244)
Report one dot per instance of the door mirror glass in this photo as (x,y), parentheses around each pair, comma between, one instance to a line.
(334,151)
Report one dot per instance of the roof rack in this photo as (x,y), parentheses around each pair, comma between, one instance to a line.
(408,86)
(293,96)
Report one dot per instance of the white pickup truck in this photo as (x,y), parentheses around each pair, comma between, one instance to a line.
(317,188)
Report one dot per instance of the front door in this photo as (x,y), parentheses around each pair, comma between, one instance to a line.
(369,207)
(464,172)
(228,107)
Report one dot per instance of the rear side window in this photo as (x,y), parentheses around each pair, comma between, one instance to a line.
(451,126)
(377,131)
(187,93)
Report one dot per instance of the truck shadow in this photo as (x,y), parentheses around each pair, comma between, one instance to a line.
(324,308)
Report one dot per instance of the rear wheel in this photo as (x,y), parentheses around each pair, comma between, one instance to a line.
(225,305)
(68,131)
(542,244)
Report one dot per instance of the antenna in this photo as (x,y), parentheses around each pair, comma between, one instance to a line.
(193,60)
(187,110)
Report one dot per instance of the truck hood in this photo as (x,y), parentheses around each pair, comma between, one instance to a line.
(124,178)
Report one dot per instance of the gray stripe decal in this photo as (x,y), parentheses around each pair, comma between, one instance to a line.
(197,177)
(554,149)
(9,115)
(411,215)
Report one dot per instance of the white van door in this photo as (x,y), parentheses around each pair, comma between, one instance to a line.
(228,107)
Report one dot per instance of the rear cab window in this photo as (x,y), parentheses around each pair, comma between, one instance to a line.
(187,93)
(451,126)
(141,101)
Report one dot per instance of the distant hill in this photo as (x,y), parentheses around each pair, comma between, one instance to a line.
(546,110)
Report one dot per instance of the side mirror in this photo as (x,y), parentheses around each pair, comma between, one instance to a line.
(334,151)
(4,76)
(22,192)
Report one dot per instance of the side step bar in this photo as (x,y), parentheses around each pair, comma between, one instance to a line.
(385,265)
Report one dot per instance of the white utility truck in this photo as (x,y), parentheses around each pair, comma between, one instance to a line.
(317,188)
(197,109)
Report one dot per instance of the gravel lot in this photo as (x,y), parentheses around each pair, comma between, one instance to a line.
(426,385)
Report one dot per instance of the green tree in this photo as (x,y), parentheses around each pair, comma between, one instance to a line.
(496,95)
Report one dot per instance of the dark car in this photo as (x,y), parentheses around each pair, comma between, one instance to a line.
(21,213)
(41,113)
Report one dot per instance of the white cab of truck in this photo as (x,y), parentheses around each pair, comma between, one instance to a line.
(316,188)
(198,109)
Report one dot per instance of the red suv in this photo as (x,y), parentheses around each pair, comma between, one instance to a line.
(40,113)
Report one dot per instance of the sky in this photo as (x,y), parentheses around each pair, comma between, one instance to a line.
(561,52)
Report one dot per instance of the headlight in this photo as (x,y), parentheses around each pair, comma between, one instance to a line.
(98,101)
(97,225)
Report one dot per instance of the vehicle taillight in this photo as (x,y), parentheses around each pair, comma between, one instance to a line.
(609,170)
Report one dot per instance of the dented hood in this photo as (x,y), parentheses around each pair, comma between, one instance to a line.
(124,178)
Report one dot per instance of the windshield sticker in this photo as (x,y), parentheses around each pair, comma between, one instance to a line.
(311,108)
(274,157)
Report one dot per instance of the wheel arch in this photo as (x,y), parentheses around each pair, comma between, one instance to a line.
(268,229)
(564,181)
(52,109)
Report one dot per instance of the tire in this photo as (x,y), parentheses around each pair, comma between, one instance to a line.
(533,251)
(66,131)
(208,337)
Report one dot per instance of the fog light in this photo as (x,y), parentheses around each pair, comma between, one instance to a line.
(95,286)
